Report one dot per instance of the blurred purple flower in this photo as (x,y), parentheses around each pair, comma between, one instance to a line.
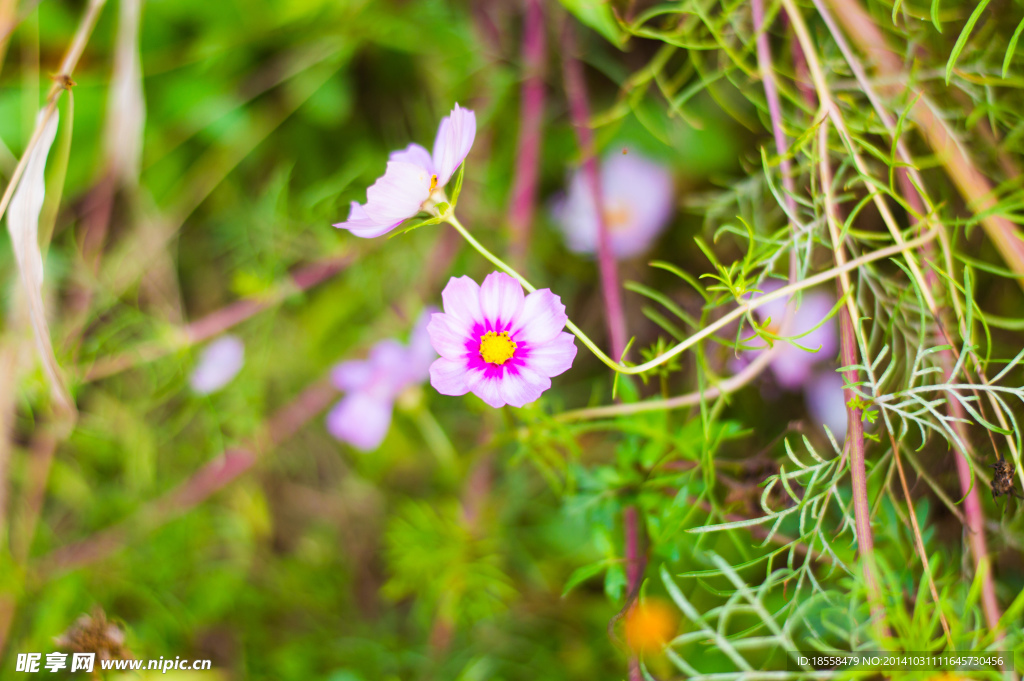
(811,372)
(496,343)
(638,197)
(414,179)
(791,365)
(219,362)
(826,402)
(363,416)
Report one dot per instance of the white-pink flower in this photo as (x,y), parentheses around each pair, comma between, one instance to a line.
(638,197)
(797,369)
(362,418)
(792,365)
(414,179)
(495,342)
(219,362)
(826,401)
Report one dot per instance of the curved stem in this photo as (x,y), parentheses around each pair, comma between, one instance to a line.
(737,312)
(725,387)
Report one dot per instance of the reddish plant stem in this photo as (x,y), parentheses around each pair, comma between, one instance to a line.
(974,515)
(976,190)
(579,111)
(975,518)
(303,279)
(634,572)
(855,435)
(476,491)
(771,94)
(634,566)
(223,319)
(849,356)
(97,208)
(209,479)
(869,38)
(531,119)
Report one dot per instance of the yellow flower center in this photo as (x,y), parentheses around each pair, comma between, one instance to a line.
(497,348)
(617,217)
(433,183)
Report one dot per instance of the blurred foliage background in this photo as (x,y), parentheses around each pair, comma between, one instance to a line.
(474,543)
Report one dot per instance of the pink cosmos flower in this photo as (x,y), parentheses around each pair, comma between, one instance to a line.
(826,402)
(414,179)
(811,372)
(362,418)
(218,363)
(792,366)
(638,199)
(495,342)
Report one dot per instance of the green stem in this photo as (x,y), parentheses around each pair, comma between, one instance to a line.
(739,311)
(437,440)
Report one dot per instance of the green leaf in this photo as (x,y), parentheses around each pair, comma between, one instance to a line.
(628,391)
(582,574)
(405,229)
(458,186)
(615,582)
(596,14)
(682,274)
(1012,47)
(961,42)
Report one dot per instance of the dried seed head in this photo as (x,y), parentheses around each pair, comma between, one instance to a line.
(95,634)
(1002,481)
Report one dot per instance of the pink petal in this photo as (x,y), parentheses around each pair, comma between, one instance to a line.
(792,366)
(448,335)
(416,155)
(362,225)
(390,360)
(421,349)
(219,362)
(641,189)
(454,139)
(636,190)
(360,420)
(461,298)
(522,387)
(501,299)
(554,357)
(448,377)
(399,194)
(387,353)
(827,403)
(351,375)
(541,318)
(576,216)
(814,307)
(487,387)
